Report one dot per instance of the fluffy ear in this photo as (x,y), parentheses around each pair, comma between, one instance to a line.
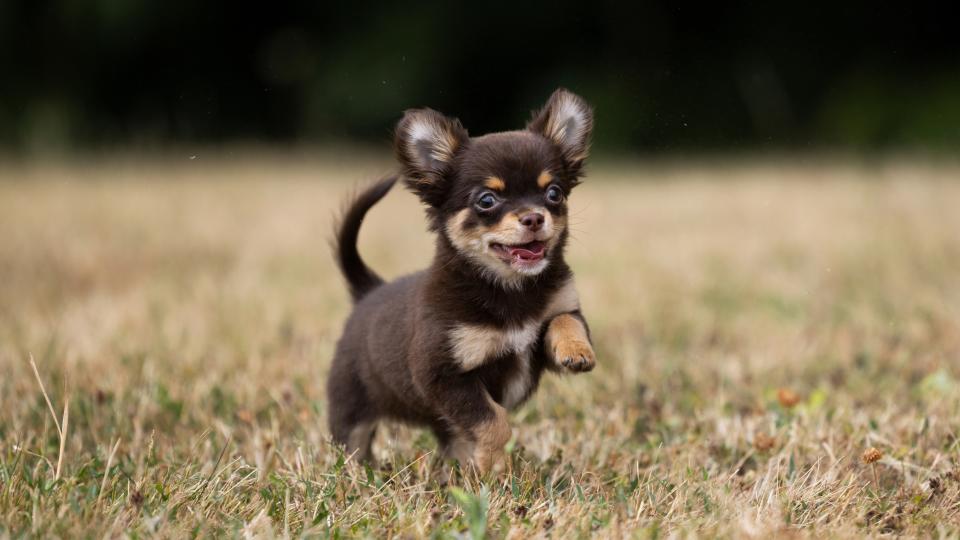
(566,120)
(426,142)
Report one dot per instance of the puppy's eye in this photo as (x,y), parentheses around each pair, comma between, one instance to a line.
(555,194)
(486,201)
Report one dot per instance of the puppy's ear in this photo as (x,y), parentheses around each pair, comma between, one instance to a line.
(566,120)
(426,142)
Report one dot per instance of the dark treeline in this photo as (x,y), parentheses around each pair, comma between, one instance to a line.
(663,76)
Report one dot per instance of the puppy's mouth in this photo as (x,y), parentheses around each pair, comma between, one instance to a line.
(520,254)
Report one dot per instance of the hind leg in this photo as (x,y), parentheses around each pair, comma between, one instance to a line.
(360,440)
(353,428)
(352,416)
(452,445)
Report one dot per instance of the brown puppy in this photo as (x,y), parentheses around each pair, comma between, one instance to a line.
(454,347)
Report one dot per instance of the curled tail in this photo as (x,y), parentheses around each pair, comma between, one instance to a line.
(360,278)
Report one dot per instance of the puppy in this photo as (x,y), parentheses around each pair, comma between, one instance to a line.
(456,346)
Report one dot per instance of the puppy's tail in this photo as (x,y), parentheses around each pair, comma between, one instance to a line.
(360,278)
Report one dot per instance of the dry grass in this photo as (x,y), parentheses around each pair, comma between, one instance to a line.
(759,327)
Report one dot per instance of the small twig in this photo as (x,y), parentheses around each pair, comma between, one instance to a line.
(63,438)
(61,429)
(106,473)
(43,390)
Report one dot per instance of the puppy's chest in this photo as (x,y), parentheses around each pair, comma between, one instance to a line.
(503,355)
(473,345)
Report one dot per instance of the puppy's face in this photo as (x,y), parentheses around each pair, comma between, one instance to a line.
(500,199)
(507,207)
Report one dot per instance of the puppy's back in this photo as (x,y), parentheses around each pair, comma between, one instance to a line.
(376,346)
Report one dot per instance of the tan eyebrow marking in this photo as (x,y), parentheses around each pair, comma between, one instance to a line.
(495,183)
(544,179)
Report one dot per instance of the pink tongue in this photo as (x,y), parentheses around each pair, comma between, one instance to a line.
(534,253)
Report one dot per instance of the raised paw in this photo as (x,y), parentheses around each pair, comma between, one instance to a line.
(567,340)
(575,355)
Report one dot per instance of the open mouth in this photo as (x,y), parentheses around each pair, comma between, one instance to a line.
(529,253)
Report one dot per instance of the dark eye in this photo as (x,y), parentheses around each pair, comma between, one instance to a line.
(554,194)
(486,201)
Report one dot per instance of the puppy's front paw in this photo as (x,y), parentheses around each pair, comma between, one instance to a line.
(569,343)
(575,355)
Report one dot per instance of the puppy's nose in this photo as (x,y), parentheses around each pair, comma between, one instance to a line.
(532,221)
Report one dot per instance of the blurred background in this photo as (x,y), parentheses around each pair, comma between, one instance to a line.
(664,77)
(766,249)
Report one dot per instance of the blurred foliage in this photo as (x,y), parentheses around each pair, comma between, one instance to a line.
(663,76)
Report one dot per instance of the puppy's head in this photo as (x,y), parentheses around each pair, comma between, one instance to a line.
(500,199)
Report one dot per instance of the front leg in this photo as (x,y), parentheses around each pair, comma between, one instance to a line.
(490,437)
(567,343)
(476,428)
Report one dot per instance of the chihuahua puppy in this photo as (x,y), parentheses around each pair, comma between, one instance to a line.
(456,346)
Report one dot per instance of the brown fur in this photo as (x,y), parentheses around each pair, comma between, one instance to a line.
(455,346)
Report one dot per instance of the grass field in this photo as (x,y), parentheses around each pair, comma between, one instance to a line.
(759,327)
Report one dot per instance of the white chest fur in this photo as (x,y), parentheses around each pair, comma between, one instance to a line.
(472,345)
(475,344)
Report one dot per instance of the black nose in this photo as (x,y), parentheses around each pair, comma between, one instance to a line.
(532,221)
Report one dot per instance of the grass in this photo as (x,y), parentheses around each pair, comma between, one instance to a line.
(759,327)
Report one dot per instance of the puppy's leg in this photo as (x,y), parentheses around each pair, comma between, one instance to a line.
(568,343)
(452,445)
(360,440)
(353,431)
(491,436)
(352,417)
(478,427)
